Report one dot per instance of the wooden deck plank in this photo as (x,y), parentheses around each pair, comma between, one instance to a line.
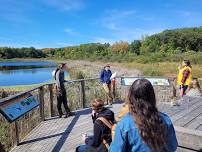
(185,104)
(195,124)
(64,135)
(200,127)
(185,111)
(187,119)
(59,134)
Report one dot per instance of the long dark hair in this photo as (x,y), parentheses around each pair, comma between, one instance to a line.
(60,66)
(187,62)
(57,69)
(142,105)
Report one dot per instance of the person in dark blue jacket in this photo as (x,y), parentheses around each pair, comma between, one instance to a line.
(105,76)
(144,128)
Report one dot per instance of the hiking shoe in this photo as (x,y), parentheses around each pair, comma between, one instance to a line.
(69,114)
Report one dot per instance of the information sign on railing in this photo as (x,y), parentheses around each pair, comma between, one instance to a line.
(17,108)
(160,81)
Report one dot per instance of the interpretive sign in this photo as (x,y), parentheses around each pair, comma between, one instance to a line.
(16,109)
(160,81)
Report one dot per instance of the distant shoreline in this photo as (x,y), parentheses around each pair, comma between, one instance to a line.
(92,69)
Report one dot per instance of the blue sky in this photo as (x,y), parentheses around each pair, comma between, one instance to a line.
(59,23)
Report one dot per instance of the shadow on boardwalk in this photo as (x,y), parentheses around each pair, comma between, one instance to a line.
(60,134)
(64,135)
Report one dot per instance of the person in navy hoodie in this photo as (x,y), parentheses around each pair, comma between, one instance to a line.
(106,82)
(144,128)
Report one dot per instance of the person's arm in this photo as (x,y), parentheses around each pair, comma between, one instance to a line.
(185,76)
(118,144)
(102,76)
(110,73)
(109,76)
(113,120)
(97,136)
(58,81)
(93,115)
(172,140)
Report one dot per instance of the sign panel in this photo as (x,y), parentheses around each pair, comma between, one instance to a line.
(16,109)
(154,81)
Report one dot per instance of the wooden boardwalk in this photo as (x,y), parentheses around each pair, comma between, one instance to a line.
(64,135)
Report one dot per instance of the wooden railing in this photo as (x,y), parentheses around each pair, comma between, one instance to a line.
(79,93)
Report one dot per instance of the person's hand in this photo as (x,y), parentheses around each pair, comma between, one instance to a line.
(104,83)
(58,89)
(84,137)
(58,92)
(93,113)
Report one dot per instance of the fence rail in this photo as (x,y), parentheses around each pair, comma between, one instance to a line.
(79,93)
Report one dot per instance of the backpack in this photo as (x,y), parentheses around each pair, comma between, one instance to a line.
(111,126)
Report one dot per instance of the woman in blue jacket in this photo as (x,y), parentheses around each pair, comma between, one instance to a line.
(144,128)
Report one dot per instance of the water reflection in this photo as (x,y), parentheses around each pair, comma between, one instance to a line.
(25,72)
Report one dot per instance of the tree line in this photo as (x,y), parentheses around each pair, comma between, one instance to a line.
(168,42)
(31,52)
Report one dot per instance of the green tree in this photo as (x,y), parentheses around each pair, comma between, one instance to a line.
(135,47)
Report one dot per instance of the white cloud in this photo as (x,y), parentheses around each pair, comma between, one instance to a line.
(125,34)
(71,32)
(114,18)
(185,13)
(68,30)
(102,40)
(63,44)
(111,26)
(122,25)
(18,45)
(65,5)
(117,20)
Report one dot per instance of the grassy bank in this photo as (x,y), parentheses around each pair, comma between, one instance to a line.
(24,87)
(18,87)
(167,69)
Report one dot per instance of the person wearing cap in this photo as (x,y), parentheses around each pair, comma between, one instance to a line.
(105,76)
(60,91)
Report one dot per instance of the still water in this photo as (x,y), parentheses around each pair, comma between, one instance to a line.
(26,72)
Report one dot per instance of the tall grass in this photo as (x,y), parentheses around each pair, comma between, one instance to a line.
(168,69)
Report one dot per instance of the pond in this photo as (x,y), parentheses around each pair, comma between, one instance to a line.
(14,73)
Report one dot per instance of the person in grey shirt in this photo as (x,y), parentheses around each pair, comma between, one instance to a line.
(60,91)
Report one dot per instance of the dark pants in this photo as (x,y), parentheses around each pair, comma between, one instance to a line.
(62,98)
(184,87)
(87,148)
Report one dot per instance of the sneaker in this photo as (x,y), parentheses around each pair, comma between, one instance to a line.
(69,114)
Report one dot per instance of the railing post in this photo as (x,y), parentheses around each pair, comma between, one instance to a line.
(82,93)
(50,87)
(41,98)
(17,133)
